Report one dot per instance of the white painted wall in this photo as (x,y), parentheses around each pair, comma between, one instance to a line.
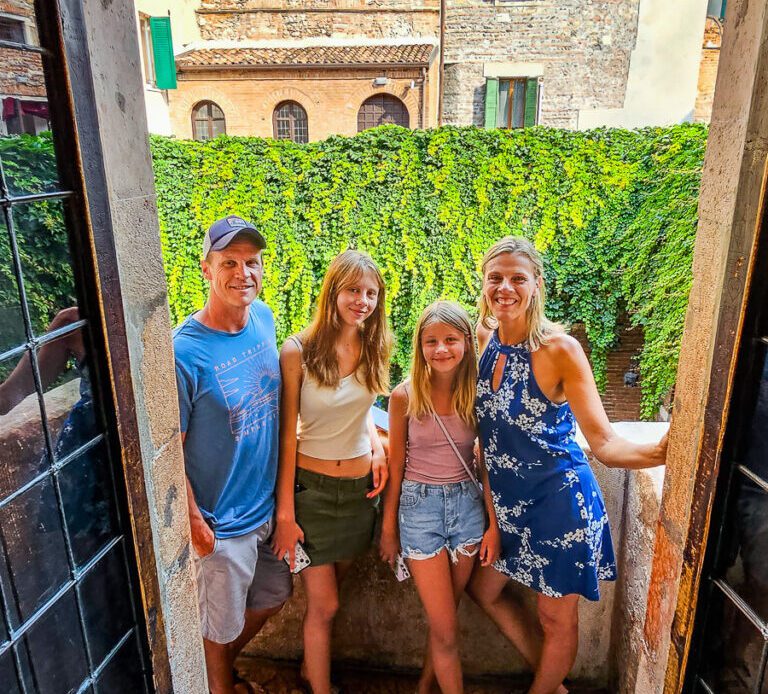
(184,30)
(663,70)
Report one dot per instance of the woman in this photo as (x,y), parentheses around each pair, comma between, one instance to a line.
(332,464)
(533,379)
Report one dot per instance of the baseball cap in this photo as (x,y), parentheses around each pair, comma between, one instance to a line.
(222,232)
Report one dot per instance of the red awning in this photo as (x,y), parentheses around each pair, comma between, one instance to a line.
(31,108)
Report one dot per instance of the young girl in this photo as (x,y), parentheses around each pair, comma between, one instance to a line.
(533,379)
(332,464)
(433,490)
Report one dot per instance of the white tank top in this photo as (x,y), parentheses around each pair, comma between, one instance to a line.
(333,422)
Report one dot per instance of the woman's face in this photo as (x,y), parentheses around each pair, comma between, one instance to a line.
(443,347)
(357,301)
(509,285)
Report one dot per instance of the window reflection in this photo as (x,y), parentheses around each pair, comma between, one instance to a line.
(56,650)
(34,550)
(8,673)
(23,453)
(736,655)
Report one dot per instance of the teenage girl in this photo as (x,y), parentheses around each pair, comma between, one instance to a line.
(332,464)
(434,492)
(534,384)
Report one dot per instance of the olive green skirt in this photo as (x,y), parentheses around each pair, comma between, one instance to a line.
(335,515)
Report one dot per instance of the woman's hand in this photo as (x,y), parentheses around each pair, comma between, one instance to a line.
(389,546)
(490,547)
(659,453)
(287,534)
(380,474)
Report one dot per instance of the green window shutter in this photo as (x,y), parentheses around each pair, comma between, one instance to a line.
(491,101)
(162,48)
(531,102)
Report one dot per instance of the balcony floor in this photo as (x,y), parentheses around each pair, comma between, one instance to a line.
(281,677)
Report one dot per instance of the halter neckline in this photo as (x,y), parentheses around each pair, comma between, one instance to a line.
(509,349)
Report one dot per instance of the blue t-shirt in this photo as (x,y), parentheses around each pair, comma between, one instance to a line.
(229,391)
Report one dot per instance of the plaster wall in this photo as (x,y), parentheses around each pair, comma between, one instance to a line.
(115,65)
(184,30)
(661,86)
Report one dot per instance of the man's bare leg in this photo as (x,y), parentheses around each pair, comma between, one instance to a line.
(220,658)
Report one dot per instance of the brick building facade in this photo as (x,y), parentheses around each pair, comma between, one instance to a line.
(305,92)
(22,87)
(710,61)
(571,63)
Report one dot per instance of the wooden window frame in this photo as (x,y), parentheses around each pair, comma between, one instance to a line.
(384,96)
(291,122)
(20,22)
(72,104)
(147,52)
(513,82)
(210,120)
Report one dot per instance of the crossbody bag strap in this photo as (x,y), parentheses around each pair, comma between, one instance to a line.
(458,453)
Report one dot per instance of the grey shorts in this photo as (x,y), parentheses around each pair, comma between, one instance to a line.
(241,573)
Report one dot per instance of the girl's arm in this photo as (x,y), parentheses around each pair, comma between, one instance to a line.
(287,531)
(378,460)
(490,547)
(389,546)
(580,391)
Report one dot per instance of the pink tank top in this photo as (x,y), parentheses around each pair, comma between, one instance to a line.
(430,458)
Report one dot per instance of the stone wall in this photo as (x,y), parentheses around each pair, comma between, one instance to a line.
(21,73)
(584,49)
(282,19)
(381,622)
(129,199)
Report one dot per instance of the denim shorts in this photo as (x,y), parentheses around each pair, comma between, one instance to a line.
(433,516)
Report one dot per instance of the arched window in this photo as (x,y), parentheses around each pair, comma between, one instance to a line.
(381,109)
(207,121)
(289,122)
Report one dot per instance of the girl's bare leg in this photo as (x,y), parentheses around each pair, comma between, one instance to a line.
(322,592)
(559,619)
(460,573)
(434,584)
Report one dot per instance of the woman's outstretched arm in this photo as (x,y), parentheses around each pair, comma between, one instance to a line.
(578,385)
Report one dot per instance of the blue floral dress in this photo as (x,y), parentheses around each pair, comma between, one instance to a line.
(554,529)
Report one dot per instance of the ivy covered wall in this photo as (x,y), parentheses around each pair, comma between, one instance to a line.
(613,211)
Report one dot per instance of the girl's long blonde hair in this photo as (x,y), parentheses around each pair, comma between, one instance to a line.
(465,378)
(540,328)
(319,339)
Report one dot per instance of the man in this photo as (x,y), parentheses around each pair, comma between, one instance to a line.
(228,378)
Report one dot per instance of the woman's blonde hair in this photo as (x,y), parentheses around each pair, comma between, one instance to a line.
(319,339)
(465,378)
(540,328)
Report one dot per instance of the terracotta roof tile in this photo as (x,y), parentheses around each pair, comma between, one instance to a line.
(309,55)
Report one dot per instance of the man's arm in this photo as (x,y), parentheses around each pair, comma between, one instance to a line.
(203,538)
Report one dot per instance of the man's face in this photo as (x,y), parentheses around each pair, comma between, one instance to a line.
(235,273)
